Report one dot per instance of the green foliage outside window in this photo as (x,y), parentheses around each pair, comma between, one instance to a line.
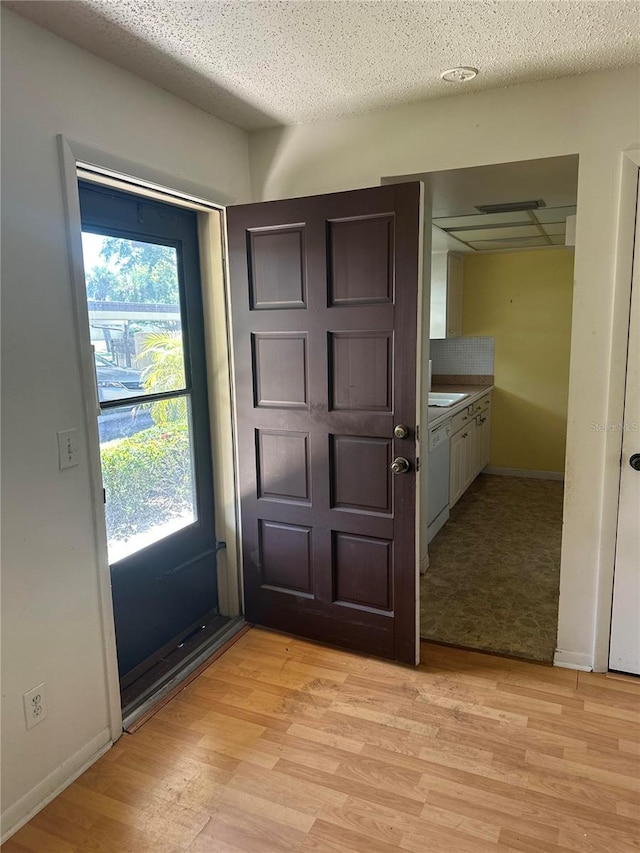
(147,478)
(134,272)
(162,351)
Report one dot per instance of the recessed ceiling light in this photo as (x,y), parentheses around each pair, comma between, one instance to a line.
(459,75)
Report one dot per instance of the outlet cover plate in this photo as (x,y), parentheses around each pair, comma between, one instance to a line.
(35,708)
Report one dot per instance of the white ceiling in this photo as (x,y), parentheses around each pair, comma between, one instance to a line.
(258,64)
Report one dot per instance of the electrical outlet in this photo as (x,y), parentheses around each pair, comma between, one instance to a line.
(67,448)
(35,708)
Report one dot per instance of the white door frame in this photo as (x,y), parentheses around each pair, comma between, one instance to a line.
(624,646)
(211,230)
(625,227)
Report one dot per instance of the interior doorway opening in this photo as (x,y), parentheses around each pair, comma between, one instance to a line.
(496,380)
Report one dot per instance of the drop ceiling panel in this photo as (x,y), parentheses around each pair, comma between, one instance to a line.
(554,214)
(552,182)
(519,231)
(525,242)
(443,242)
(481,219)
(554,228)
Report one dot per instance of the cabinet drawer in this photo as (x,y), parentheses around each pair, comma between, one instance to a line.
(460,420)
(482,404)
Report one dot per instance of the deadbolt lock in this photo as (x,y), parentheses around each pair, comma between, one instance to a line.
(401,431)
(400,465)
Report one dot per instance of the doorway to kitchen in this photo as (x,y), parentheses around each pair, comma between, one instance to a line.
(144,300)
(499,341)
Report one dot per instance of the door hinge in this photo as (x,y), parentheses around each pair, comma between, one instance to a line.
(417,463)
(104,496)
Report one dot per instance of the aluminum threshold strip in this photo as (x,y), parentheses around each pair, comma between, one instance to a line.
(180,673)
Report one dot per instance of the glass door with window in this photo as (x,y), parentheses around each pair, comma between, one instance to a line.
(147,332)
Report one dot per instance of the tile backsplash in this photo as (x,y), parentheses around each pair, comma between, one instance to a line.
(462,356)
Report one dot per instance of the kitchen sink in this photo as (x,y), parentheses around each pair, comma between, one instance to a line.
(444,400)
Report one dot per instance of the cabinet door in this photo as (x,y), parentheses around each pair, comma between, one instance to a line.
(446,295)
(470,436)
(479,444)
(457,465)
(485,440)
(475,449)
(455,271)
(438,316)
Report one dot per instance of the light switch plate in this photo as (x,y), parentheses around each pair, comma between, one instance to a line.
(67,448)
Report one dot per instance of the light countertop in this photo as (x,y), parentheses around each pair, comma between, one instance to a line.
(438,414)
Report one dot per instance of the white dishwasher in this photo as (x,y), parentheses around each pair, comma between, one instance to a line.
(438,478)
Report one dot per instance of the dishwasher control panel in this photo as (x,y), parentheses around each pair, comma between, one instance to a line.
(439,435)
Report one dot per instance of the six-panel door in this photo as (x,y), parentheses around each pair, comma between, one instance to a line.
(324,299)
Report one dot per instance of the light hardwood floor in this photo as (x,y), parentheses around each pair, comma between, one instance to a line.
(287,745)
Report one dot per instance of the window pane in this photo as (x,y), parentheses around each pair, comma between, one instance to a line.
(134,316)
(147,473)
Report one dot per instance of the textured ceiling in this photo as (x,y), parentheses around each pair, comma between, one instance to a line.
(266,63)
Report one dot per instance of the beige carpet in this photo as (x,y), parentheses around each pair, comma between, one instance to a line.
(494,572)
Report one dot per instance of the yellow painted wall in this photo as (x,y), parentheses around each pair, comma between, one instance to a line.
(523,300)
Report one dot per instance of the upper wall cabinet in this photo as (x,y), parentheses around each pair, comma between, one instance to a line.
(446,295)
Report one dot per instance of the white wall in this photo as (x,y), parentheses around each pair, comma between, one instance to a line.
(595,116)
(50,605)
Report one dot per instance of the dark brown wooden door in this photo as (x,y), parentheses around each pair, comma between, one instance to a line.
(324,313)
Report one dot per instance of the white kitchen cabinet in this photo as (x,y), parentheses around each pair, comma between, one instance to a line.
(461,452)
(457,450)
(484,439)
(481,434)
(446,295)
(471,458)
(469,446)
(438,478)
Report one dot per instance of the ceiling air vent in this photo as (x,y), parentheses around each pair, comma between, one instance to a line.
(511,206)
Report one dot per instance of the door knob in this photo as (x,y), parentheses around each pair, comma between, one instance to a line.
(634,461)
(400,465)
(401,431)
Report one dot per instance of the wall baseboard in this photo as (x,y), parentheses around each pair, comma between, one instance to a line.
(21,812)
(573,660)
(523,472)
